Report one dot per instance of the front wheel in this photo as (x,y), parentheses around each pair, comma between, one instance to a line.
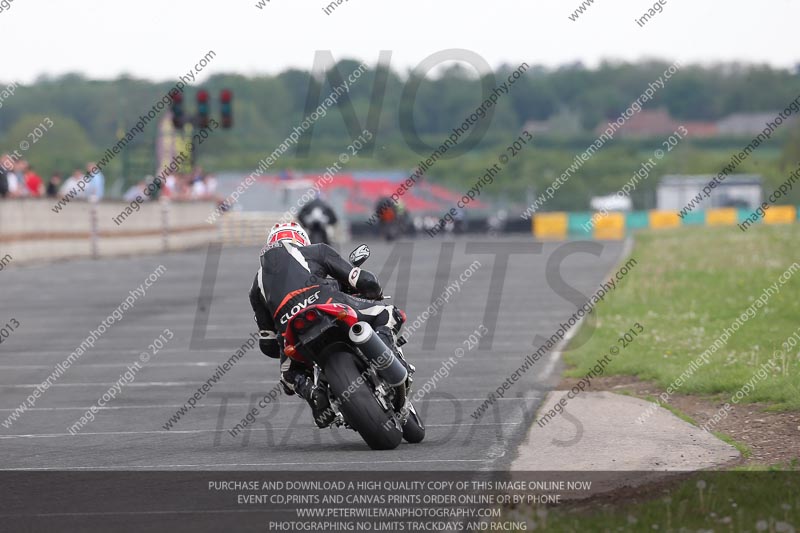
(358,403)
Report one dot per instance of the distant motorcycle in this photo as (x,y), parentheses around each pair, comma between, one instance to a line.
(319,232)
(392,221)
(318,219)
(369,388)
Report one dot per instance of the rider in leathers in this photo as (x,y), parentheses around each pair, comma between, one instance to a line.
(292,277)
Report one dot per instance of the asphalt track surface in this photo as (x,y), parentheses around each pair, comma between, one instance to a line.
(58,304)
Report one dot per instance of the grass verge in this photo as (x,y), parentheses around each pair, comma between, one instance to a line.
(690,284)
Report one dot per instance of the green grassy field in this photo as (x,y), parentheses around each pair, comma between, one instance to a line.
(689,285)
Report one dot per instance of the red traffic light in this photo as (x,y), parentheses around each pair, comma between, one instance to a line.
(176,106)
(202,109)
(226,99)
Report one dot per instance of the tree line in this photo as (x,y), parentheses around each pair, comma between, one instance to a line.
(90,115)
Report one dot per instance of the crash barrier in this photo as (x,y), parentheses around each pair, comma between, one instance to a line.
(31,231)
(616,225)
(242,228)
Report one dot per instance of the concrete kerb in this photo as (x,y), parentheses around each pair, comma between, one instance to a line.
(626,453)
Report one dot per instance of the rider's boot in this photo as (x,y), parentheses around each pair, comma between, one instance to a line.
(316,397)
(297,380)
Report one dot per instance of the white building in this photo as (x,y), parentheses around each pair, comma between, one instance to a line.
(737,190)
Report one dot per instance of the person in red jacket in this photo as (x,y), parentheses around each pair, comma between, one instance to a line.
(34,183)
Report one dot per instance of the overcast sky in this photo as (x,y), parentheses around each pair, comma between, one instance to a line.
(160,39)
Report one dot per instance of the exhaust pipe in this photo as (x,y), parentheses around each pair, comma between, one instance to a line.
(380,355)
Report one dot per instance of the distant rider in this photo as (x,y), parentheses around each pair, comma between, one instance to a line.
(317,211)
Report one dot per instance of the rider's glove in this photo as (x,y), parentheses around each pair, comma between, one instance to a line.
(366,284)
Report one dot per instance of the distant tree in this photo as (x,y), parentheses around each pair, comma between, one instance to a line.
(790,154)
(88,114)
(61,148)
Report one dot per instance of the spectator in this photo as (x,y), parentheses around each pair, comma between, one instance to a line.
(72,182)
(137,190)
(198,189)
(33,183)
(97,186)
(184,186)
(197,174)
(19,179)
(5,162)
(170,188)
(15,179)
(53,185)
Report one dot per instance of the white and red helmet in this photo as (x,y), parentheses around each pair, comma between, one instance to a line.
(291,231)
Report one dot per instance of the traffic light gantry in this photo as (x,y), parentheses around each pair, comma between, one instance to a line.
(203,117)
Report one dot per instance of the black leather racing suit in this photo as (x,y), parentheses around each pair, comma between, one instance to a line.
(292,278)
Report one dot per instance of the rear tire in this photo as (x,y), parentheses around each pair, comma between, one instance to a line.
(413,429)
(360,408)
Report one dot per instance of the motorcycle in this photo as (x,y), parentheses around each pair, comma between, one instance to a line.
(318,226)
(318,233)
(393,222)
(368,387)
